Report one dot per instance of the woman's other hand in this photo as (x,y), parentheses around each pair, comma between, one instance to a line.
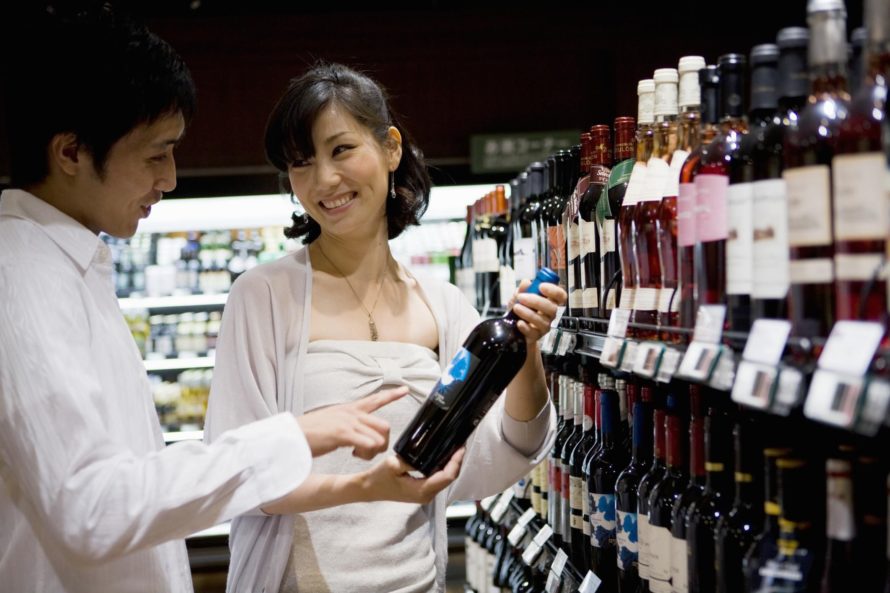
(537,312)
(389,480)
(350,425)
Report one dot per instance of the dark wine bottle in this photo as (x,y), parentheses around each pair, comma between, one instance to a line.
(626,499)
(490,357)
(693,492)
(839,571)
(604,471)
(765,546)
(566,426)
(577,390)
(656,472)
(578,498)
(870,504)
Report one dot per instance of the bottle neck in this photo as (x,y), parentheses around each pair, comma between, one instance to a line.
(610,417)
(689,130)
(589,413)
(642,432)
(658,442)
(674,455)
(697,450)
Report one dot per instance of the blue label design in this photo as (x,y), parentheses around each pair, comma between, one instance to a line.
(628,544)
(602,517)
(453,378)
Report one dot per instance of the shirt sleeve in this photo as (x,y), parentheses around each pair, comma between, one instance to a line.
(95,497)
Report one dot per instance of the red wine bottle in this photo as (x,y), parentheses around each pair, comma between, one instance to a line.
(483,367)
(656,472)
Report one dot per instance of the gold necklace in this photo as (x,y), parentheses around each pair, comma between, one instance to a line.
(372,326)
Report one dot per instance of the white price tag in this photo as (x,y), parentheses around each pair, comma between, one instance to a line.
(767,340)
(670,360)
(648,359)
(834,398)
(875,408)
(497,513)
(516,534)
(548,342)
(543,535)
(851,346)
(724,373)
(618,323)
(590,583)
(754,385)
(709,323)
(531,553)
(559,313)
(556,568)
(613,350)
(566,343)
(488,501)
(630,355)
(699,361)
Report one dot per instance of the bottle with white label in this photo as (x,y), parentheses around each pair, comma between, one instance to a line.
(663,496)
(656,472)
(668,223)
(809,150)
(636,189)
(573,233)
(525,243)
(840,558)
(569,509)
(645,223)
(604,471)
(770,251)
(691,494)
(578,499)
(861,201)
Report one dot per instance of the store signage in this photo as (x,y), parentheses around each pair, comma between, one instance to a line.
(510,153)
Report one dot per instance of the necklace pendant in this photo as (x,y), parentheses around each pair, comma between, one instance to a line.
(373,328)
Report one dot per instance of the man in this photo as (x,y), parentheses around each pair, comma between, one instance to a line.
(90,499)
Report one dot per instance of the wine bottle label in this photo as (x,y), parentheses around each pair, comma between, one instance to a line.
(668,300)
(860,202)
(636,187)
(602,519)
(590,298)
(739,239)
(643,556)
(573,241)
(485,255)
(556,239)
(672,183)
(586,237)
(627,298)
(686,215)
(841,525)
(859,267)
(576,502)
(811,271)
(679,566)
(585,511)
(626,536)
(524,258)
(770,240)
(659,558)
(607,237)
(645,299)
(710,207)
(657,173)
(809,206)
(506,283)
(453,379)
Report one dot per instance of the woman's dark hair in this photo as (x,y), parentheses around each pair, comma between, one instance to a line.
(289,137)
(120,76)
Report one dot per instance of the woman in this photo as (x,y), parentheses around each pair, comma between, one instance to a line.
(340,319)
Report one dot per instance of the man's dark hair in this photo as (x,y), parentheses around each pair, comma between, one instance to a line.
(289,137)
(91,73)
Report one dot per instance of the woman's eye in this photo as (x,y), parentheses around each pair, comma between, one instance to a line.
(342,148)
(158,158)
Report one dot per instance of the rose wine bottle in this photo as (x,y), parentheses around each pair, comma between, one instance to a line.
(636,188)
(645,222)
(810,146)
(483,367)
(769,290)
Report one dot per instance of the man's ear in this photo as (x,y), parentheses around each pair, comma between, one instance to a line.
(394,147)
(64,153)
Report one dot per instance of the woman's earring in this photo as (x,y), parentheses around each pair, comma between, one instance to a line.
(392,186)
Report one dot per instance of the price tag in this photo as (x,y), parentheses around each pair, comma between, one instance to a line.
(516,534)
(559,313)
(556,568)
(670,360)
(534,548)
(875,408)
(488,501)
(700,361)
(648,359)
(767,340)
(612,353)
(709,324)
(724,373)
(498,511)
(851,346)
(618,323)
(566,343)
(755,384)
(549,341)
(590,583)
(631,349)
(833,398)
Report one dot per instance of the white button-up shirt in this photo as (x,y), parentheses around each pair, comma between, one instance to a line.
(90,499)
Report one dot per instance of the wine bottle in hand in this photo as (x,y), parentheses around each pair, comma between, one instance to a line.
(490,357)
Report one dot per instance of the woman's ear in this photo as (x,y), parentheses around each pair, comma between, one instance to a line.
(394,147)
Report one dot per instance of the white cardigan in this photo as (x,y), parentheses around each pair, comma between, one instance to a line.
(259,373)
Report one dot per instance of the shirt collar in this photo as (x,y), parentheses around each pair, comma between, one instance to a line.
(80,243)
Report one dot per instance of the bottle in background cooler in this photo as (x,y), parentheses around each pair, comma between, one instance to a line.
(466,275)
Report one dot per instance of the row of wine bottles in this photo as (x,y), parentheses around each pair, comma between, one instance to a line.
(772,202)
(675,488)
